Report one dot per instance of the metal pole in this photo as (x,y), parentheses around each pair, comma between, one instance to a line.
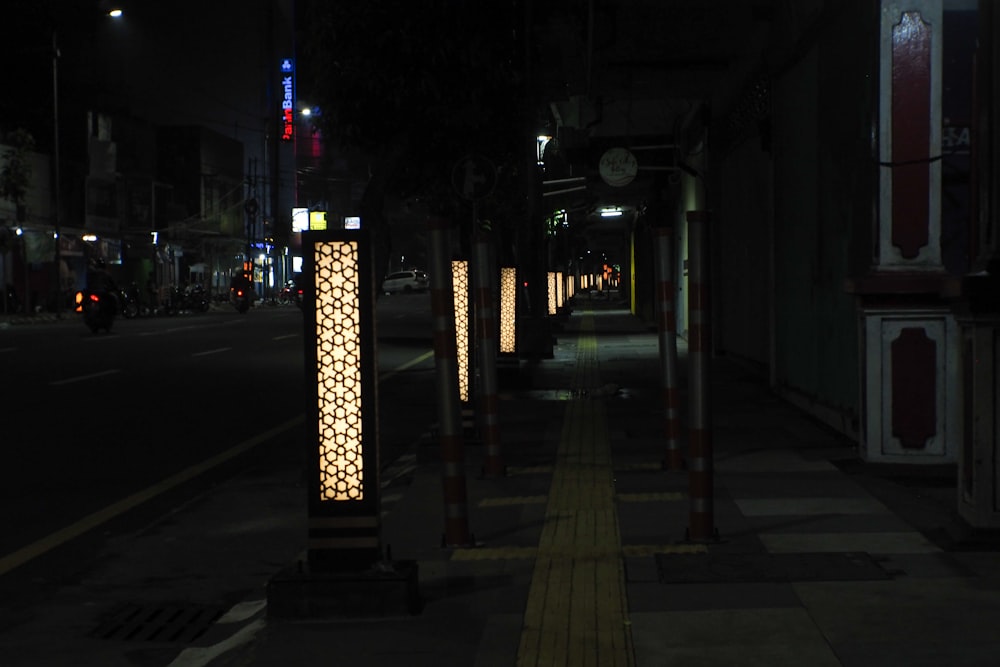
(55,171)
(700,466)
(456,520)
(486,328)
(663,237)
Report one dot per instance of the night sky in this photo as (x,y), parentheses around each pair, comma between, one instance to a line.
(208,64)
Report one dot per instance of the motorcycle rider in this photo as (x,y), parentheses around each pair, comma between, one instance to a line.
(99,280)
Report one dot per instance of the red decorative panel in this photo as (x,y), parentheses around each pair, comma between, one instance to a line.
(911,132)
(914,384)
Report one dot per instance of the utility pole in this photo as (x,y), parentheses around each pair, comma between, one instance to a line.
(55,173)
(251,209)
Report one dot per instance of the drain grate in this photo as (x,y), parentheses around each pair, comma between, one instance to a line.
(162,622)
(766,567)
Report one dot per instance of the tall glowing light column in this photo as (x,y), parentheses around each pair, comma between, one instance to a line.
(341,414)
(559,290)
(460,283)
(508,310)
(552,293)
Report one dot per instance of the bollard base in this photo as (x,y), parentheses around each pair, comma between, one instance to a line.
(388,588)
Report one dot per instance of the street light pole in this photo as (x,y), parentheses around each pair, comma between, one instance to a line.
(55,169)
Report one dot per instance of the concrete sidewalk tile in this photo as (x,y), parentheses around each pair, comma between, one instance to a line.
(952,619)
(768,637)
(809,506)
(874,543)
(770,460)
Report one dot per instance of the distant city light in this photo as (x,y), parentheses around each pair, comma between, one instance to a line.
(89,237)
(610,212)
(307,111)
(115,13)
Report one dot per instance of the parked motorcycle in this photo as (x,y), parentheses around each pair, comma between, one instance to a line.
(98,307)
(194,298)
(129,302)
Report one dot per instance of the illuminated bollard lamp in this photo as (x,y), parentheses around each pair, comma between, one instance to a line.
(345,572)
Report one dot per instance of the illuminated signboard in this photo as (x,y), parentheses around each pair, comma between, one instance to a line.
(288,99)
(300,219)
(352,222)
(317,220)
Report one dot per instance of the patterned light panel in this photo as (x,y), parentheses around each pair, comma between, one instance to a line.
(338,368)
(508,309)
(460,282)
(552,293)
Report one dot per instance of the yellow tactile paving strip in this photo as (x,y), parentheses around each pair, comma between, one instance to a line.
(576,613)
(524,553)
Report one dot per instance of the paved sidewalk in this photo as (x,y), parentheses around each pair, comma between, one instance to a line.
(581,555)
(583,560)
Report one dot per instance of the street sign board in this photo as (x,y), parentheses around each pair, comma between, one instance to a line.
(474,177)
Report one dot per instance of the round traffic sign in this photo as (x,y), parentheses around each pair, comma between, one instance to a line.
(474,177)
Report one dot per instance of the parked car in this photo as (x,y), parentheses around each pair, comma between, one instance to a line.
(405,281)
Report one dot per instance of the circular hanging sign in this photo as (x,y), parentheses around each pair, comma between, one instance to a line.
(473,177)
(618,167)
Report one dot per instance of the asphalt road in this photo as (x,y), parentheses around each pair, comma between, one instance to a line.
(98,428)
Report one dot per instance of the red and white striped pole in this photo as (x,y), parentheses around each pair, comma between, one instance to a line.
(456,514)
(486,327)
(701,526)
(664,249)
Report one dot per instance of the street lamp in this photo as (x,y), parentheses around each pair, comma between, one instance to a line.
(56,181)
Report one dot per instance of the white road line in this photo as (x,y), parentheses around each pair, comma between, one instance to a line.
(215,351)
(408,364)
(200,656)
(60,537)
(285,336)
(241,611)
(81,378)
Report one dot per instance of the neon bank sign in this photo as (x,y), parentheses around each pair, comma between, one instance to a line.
(288,99)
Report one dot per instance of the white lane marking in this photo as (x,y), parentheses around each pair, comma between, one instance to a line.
(215,351)
(285,336)
(200,656)
(60,537)
(81,378)
(408,364)
(241,611)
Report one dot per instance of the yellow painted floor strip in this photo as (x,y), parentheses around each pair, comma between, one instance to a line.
(628,550)
(643,550)
(640,466)
(530,470)
(576,613)
(495,553)
(650,497)
(505,501)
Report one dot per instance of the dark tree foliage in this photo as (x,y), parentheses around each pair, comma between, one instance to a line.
(415,86)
